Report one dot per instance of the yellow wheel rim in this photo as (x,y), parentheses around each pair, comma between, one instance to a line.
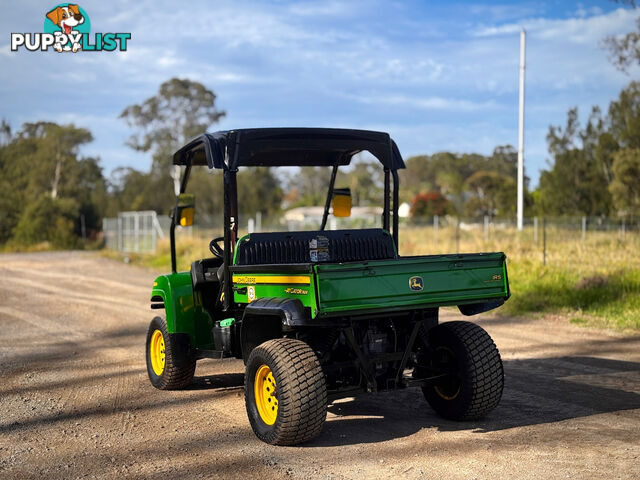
(156,352)
(266,393)
(448,392)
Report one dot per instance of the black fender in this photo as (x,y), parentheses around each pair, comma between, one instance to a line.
(264,318)
(182,351)
(475,308)
(290,310)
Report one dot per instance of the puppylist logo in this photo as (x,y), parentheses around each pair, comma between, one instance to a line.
(67,28)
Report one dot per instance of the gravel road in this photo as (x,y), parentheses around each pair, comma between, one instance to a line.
(75,401)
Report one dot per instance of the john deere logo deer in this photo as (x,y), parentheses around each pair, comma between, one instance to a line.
(67,28)
(416,284)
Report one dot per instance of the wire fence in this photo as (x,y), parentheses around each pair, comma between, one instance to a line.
(557,240)
(571,242)
(137,232)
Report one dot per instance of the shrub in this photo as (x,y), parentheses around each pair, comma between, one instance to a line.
(429,204)
(48,220)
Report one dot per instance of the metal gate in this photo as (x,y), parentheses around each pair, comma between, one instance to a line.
(133,231)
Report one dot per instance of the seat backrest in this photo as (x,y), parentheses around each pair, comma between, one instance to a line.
(330,246)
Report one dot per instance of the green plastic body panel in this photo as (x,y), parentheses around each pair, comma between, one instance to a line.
(183,308)
(234,261)
(278,285)
(336,289)
(385,285)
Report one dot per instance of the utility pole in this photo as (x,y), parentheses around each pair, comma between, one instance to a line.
(520,207)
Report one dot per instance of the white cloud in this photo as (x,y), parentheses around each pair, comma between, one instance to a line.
(428,103)
(322,9)
(584,29)
(505,12)
(431,74)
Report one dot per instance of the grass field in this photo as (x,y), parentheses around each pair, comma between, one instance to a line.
(595,282)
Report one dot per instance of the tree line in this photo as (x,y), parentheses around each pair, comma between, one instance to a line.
(53,194)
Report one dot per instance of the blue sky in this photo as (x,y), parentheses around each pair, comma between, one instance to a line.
(435,75)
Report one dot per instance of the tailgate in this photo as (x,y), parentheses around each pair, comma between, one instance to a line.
(409,282)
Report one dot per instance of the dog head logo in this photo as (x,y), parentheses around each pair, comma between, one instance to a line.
(67,28)
(67,22)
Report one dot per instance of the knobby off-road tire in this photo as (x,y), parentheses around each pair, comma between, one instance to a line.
(295,412)
(168,367)
(475,385)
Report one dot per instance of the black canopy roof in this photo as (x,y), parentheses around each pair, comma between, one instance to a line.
(287,147)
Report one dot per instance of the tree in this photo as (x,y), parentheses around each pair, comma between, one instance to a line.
(576,183)
(57,150)
(491,193)
(207,187)
(625,186)
(624,117)
(416,177)
(429,204)
(41,161)
(181,110)
(5,133)
(504,160)
(365,179)
(258,191)
(311,184)
(48,219)
(624,50)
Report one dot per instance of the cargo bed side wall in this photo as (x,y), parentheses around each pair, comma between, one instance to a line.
(414,282)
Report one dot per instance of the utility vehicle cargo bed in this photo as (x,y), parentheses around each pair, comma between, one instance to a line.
(407,282)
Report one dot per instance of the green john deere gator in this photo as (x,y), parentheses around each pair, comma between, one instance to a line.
(317,315)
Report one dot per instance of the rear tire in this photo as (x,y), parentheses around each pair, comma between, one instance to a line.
(475,384)
(168,367)
(285,392)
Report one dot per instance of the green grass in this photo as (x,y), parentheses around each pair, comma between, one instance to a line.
(610,300)
(188,249)
(595,283)
(13,247)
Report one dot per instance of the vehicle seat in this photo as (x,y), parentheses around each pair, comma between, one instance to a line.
(331,246)
(206,271)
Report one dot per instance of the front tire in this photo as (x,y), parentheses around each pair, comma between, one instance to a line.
(475,381)
(285,392)
(168,366)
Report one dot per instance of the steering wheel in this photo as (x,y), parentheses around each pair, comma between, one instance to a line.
(216,249)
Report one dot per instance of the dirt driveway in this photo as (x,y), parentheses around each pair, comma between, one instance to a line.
(75,401)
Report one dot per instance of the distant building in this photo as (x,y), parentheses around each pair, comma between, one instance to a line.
(404,210)
(301,218)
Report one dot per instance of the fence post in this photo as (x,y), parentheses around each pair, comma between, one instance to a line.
(258,221)
(136,230)
(624,228)
(535,230)
(435,230)
(154,234)
(486,229)
(83,227)
(544,241)
(584,230)
(156,226)
(250,226)
(119,242)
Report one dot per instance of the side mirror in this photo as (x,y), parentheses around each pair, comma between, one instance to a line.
(341,202)
(186,209)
